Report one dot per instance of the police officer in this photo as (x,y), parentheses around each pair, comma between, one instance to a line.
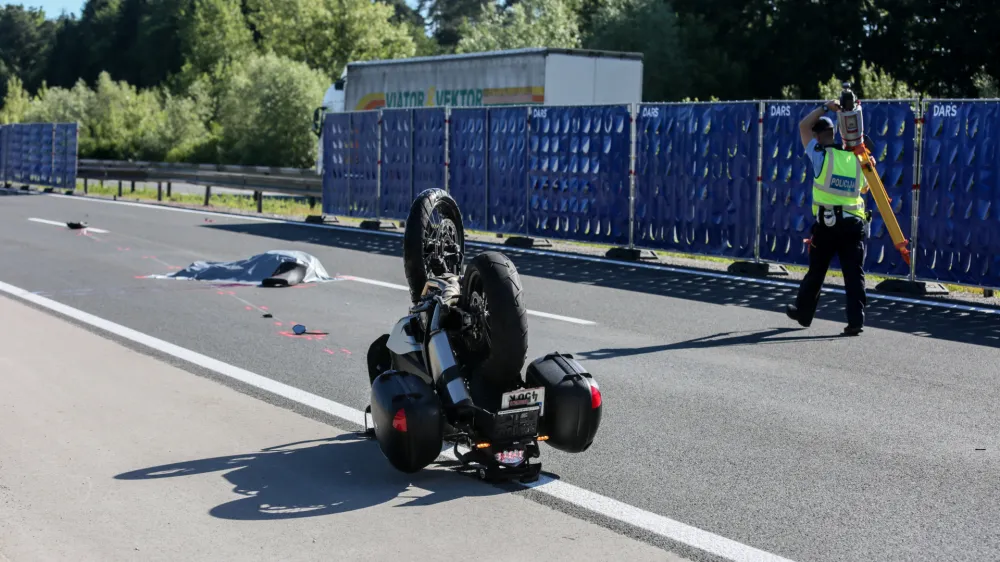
(842,224)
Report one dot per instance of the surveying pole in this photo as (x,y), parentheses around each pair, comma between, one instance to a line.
(852,130)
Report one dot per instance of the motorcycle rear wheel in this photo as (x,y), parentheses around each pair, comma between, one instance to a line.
(497,347)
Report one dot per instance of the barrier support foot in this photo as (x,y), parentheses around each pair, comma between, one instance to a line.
(913,288)
(527,242)
(321,219)
(376,224)
(630,254)
(757,269)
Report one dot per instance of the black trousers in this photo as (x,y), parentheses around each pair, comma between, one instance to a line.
(847,239)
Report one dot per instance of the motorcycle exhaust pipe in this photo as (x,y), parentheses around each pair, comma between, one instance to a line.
(443,366)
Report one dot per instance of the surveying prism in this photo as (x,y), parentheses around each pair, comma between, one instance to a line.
(852,130)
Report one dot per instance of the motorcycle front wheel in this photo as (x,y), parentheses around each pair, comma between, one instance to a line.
(434,240)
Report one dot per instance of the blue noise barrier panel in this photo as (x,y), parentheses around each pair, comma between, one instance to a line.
(578,175)
(65,156)
(364,164)
(696,178)
(17,156)
(891,125)
(507,169)
(428,149)
(786,202)
(958,237)
(36,163)
(336,137)
(396,191)
(467,165)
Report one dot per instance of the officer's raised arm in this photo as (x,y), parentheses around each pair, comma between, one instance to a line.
(809,121)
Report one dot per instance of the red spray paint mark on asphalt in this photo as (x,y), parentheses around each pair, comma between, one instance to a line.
(305,336)
(249,308)
(120,249)
(277,324)
(345,351)
(263,308)
(226,293)
(330,351)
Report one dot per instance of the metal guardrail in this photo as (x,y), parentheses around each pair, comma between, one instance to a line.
(303,182)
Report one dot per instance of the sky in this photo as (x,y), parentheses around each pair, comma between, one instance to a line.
(52,7)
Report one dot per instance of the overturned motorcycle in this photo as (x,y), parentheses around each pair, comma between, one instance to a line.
(450,370)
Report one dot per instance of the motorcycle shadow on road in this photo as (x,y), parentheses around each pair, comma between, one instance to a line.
(319,477)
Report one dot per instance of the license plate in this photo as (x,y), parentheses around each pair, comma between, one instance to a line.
(524,397)
(510,458)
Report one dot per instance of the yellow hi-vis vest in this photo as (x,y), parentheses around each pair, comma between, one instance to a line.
(839,184)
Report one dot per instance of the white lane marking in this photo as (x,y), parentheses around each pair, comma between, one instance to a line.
(605,261)
(253,379)
(405,288)
(62,224)
(374,282)
(658,524)
(563,318)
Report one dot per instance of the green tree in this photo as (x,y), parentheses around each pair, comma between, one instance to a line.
(445,18)
(16,102)
(26,39)
(214,34)
(266,112)
(651,28)
(528,23)
(121,120)
(986,85)
(875,84)
(60,105)
(327,34)
(96,39)
(938,47)
(69,55)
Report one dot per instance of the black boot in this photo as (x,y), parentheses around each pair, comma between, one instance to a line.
(793,312)
(853,330)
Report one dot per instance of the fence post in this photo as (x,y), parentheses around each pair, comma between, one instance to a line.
(159,191)
(447,152)
(633,133)
(350,158)
(486,165)
(918,150)
(52,159)
(758,205)
(378,169)
(413,156)
(76,151)
(527,168)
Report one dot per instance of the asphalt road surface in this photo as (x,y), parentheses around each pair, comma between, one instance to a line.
(109,454)
(720,413)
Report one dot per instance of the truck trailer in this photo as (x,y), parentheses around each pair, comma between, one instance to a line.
(535,76)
